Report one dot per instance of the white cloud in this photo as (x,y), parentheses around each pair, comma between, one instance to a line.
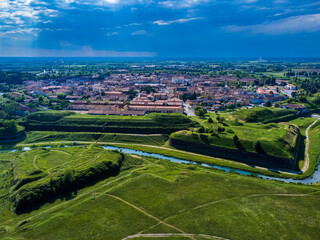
(139,32)
(112,34)
(182,20)
(182,3)
(21,11)
(111,1)
(304,23)
(18,32)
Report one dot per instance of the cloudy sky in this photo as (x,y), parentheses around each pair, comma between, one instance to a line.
(165,28)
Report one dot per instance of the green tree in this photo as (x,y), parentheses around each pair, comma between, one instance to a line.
(316,97)
(2,114)
(221,129)
(258,147)
(12,109)
(199,111)
(10,126)
(201,129)
(268,104)
(62,96)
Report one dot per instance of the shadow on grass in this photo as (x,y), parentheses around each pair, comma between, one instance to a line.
(65,195)
(301,150)
(37,205)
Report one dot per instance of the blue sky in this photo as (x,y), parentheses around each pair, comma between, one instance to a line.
(165,28)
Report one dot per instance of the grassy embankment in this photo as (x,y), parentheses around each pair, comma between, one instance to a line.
(71,122)
(41,173)
(240,128)
(276,139)
(42,136)
(154,196)
(303,124)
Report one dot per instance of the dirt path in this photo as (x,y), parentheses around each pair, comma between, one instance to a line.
(92,160)
(148,214)
(61,151)
(306,160)
(166,235)
(35,162)
(239,197)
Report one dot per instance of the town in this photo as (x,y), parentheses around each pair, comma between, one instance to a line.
(139,94)
(123,148)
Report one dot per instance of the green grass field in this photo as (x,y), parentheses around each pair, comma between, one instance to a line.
(276,138)
(71,122)
(41,172)
(42,136)
(261,114)
(152,196)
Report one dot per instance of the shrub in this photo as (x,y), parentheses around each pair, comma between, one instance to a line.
(230,131)
(221,129)
(199,111)
(201,129)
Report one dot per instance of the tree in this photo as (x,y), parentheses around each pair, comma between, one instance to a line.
(302,99)
(268,104)
(62,96)
(293,94)
(201,129)
(10,126)
(258,147)
(68,176)
(210,120)
(12,109)
(316,98)
(235,138)
(221,129)
(199,111)
(2,114)
(147,89)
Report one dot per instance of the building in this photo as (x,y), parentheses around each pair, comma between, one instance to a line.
(291,87)
(298,107)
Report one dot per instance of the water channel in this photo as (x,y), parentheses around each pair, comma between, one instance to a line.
(315,178)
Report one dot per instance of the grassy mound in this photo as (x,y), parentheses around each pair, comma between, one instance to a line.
(41,173)
(44,136)
(260,114)
(277,140)
(66,121)
(49,116)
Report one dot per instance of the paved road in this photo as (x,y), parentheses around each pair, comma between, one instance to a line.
(188,110)
(315,116)
(306,160)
